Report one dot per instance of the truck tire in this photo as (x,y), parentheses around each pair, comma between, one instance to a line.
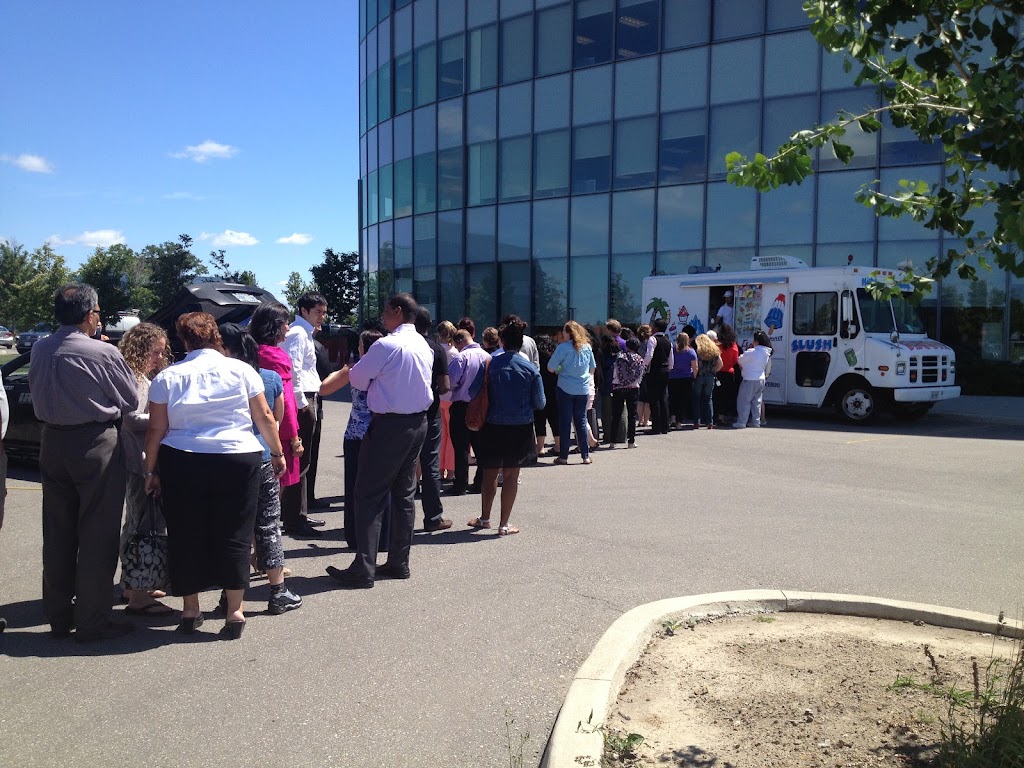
(857,402)
(910,411)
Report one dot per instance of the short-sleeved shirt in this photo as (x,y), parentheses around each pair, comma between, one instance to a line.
(207,397)
(396,372)
(440,370)
(273,388)
(573,367)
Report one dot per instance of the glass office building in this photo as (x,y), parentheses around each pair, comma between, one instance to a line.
(542,157)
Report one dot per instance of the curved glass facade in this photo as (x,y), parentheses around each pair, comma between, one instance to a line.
(542,157)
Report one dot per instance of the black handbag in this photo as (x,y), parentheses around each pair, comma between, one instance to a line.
(145,558)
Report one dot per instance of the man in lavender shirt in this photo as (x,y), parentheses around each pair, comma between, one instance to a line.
(462,372)
(395,373)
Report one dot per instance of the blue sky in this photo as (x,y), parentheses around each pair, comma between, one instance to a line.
(234,122)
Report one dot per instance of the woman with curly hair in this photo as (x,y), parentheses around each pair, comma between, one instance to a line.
(573,361)
(146,351)
(709,362)
(446,338)
(204,459)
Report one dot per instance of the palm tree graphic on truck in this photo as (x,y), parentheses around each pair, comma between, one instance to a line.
(658,309)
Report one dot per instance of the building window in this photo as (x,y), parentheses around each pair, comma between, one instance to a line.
(451,70)
(551,229)
(790,64)
(371,100)
(517,49)
(589,233)
(424,182)
(840,218)
(736,71)
(483,58)
(786,14)
(449,238)
(636,152)
(372,198)
(515,110)
(733,127)
(592,90)
(687,22)
(449,179)
(551,164)
(514,232)
(737,18)
(481,240)
(683,156)
(424,22)
(482,12)
(424,236)
(514,279)
(551,103)
(449,124)
(864,144)
(451,298)
(591,164)
(593,34)
(387,195)
(426,75)
(403,84)
(637,32)
(481,116)
(636,87)
(554,40)
(403,187)
(787,216)
(730,218)
(633,223)
(550,298)
(483,299)
(516,162)
(684,80)
(403,243)
(680,218)
(483,173)
(451,17)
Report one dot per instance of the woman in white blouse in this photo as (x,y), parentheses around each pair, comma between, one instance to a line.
(203,458)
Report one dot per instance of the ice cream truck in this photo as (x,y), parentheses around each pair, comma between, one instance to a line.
(834,344)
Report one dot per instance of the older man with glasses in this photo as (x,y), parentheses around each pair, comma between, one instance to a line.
(80,389)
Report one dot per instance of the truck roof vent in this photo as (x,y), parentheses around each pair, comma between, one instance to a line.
(777,262)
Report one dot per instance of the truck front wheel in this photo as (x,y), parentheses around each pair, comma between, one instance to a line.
(857,403)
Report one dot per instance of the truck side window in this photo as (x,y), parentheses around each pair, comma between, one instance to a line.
(815,314)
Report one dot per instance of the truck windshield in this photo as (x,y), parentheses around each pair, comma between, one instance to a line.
(878,314)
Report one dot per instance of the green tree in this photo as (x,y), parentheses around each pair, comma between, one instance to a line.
(114,273)
(337,277)
(171,267)
(950,71)
(222,270)
(28,282)
(294,289)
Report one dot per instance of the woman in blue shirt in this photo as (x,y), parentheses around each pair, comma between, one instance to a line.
(514,392)
(574,363)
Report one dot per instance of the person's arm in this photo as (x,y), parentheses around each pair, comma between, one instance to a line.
(592,365)
(719,365)
(694,366)
(370,365)
(279,410)
(671,356)
(555,362)
(444,385)
(263,418)
(456,370)
(539,401)
(155,432)
(5,412)
(649,352)
(292,344)
(335,381)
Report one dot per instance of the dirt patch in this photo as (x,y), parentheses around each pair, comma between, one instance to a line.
(795,689)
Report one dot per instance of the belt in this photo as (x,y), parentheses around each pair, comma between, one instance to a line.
(87,425)
(397,415)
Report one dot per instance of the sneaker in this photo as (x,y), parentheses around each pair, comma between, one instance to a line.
(284,601)
(442,524)
(631,445)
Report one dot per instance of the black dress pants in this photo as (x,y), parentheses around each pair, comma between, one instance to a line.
(461,437)
(83,493)
(430,467)
(293,497)
(391,447)
(657,395)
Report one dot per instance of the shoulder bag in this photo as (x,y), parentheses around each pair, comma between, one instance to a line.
(476,411)
(145,557)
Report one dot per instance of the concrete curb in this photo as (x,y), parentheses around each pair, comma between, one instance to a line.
(574,742)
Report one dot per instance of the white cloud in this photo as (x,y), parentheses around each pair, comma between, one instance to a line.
(208,149)
(183,196)
(229,237)
(29,163)
(94,238)
(298,238)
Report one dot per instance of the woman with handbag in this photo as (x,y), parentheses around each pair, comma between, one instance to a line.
(203,459)
(514,392)
(144,575)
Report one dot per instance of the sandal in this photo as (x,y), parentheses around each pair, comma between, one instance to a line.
(507,530)
(588,460)
(562,461)
(479,522)
(150,609)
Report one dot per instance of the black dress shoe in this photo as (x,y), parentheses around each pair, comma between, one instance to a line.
(442,524)
(315,523)
(112,631)
(474,488)
(456,490)
(347,579)
(388,571)
(302,531)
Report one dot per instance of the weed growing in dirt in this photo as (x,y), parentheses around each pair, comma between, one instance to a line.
(619,747)
(671,625)
(515,743)
(988,731)
(762,618)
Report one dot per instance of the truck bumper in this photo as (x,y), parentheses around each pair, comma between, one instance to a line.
(925,394)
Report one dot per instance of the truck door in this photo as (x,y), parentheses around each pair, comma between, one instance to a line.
(851,339)
(815,325)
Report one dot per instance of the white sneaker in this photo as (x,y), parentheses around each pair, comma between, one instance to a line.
(739,426)
(631,445)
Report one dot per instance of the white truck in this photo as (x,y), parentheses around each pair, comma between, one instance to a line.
(834,344)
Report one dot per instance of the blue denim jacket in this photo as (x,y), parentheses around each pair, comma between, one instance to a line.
(514,390)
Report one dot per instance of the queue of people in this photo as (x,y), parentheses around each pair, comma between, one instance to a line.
(206,456)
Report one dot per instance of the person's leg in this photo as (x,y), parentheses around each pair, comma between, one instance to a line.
(371,490)
(99,474)
(293,497)
(351,450)
(743,398)
(618,406)
(60,530)
(631,398)
(430,461)
(540,431)
(447,451)
(509,489)
(674,405)
(579,419)
(757,401)
(565,405)
(3,497)
(686,415)
(488,491)
(314,455)
(232,504)
(267,540)
(460,444)
(403,489)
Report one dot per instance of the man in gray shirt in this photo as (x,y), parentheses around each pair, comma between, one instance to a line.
(80,389)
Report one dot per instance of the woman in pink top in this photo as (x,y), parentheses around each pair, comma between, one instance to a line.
(268,326)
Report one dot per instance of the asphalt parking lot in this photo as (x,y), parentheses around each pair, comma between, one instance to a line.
(425,672)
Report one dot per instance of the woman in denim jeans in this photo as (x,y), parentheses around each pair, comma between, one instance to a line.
(514,392)
(574,363)
(709,362)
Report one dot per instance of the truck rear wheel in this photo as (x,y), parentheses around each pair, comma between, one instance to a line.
(857,403)
(911,411)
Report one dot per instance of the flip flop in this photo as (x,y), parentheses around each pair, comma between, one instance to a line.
(478,522)
(507,530)
(152,609)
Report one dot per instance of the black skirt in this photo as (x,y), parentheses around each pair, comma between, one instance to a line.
(504,445)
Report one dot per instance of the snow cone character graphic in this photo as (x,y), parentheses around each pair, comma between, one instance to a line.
(684,318)
(775,314)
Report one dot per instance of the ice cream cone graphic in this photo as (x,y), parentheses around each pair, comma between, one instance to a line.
(775,314)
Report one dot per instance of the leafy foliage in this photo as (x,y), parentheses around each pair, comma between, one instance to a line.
(950,71)
(294,289)
(222,270)
(337,277)
(27,284)
(118,275)
(171,267)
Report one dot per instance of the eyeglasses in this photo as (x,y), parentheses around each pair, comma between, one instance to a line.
(94,311)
